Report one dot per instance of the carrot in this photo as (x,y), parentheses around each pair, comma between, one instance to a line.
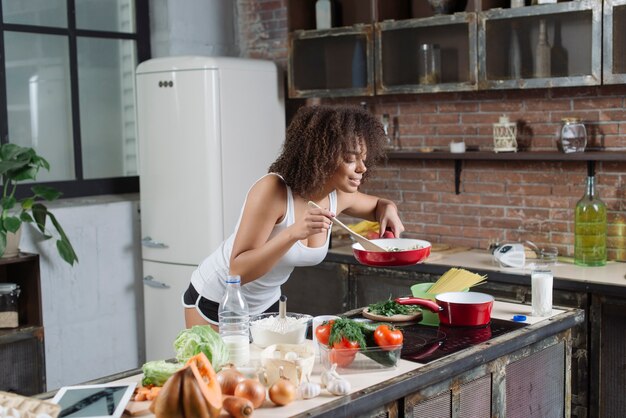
(237,406)
(142,393)
(153,392)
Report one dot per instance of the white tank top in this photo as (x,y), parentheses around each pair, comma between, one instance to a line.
(209,278)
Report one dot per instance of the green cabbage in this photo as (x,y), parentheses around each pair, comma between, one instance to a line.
(157,372)
(201,338)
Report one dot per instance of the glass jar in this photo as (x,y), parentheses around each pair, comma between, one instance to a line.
(573,135)
(542,281)
(429,62)
(9,293)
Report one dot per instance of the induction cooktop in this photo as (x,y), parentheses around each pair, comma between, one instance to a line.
(423,343)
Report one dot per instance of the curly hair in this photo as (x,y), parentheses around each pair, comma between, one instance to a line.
(318,138)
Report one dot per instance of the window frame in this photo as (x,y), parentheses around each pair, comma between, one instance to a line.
(80,186)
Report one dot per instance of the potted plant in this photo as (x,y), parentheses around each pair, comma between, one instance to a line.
(20,164)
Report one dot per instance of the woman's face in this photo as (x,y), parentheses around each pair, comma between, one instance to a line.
(349,172)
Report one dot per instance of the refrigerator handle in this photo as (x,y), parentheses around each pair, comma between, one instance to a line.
(149,242)
(149,280)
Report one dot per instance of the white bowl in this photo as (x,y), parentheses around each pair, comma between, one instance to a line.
(268,329)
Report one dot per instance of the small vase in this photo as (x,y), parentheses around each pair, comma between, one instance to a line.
(542,53)
(13,244)
(515,56)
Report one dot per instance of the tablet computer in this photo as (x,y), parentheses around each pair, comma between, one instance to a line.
(94,401)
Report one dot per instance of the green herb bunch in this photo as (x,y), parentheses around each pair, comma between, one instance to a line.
(390,307)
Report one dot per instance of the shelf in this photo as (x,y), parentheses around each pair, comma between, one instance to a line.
(510,156)
(590,157)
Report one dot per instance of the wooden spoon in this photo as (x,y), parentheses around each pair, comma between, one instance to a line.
(367,244)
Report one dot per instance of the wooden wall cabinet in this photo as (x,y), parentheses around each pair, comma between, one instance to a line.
(398,60)
(508,38)
(614,44)
(372,48)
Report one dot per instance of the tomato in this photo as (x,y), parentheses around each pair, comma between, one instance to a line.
(388,338)
(322,332)
(388,234)
(343,352)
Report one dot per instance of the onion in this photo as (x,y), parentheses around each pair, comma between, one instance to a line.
(228,379)
(283,391)
(252,390)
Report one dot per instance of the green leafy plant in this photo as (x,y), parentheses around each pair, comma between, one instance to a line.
(21,164)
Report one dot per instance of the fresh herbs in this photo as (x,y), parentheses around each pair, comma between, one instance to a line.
(391,307)
(348,329)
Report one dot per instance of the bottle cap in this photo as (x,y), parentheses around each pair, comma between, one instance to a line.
(519,318)
(233,279)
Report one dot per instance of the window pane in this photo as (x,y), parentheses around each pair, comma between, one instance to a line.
(107,107)
(108,15)
(38,96)
(35,12)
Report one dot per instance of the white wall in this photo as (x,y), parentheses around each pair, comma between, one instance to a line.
(193,27)
(93,312)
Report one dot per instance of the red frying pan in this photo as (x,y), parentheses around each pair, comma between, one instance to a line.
(405,252)
(457,309)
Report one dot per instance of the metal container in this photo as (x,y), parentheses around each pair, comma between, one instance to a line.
(9,293)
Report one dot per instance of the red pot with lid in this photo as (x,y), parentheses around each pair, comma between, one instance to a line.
(458,309)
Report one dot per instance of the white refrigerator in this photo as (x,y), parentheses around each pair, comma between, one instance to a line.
(208,127)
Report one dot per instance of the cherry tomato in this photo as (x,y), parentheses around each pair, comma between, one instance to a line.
(388,338)
(322,332)
(388,234)
(343,352)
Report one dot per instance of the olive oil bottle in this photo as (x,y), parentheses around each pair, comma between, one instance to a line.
(590,227)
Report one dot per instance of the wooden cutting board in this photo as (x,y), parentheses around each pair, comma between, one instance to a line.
(444,250)
(135,409)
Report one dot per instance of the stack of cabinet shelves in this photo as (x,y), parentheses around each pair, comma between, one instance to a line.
(22,365)
(372,48)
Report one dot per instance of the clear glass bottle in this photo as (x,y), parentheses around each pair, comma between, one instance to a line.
(429,61)
(542,281)
(590,227)
(234,322)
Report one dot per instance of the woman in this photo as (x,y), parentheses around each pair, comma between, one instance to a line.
(325,158)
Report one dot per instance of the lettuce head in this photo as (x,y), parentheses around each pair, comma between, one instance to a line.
(201,338)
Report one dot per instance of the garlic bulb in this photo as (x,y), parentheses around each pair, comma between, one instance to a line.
(328,375)
(308,390)
(339,387)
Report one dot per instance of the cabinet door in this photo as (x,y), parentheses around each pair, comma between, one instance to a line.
(164,285)
(399,63)
(513,44)
(614,42)
(331,63)
(178,128)
(318,290)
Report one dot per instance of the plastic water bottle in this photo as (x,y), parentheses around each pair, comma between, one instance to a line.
(234,322)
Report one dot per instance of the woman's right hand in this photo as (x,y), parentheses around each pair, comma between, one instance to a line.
(315,221)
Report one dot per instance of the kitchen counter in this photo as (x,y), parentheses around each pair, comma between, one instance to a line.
(390,389)
(610,278)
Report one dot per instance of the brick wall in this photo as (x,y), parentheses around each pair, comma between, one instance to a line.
(507,201)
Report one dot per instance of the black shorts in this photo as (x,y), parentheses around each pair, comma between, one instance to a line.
(208,308)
